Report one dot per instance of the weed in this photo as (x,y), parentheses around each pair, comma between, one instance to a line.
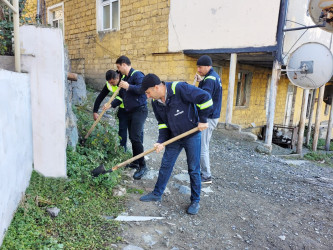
(135,191)
(322,158)
(82,199)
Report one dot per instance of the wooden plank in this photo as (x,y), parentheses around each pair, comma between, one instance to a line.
(232,76)
(302,121)
(317,123)
(276,72)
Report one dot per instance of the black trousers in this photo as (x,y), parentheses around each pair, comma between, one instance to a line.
(122,132)
(135,124)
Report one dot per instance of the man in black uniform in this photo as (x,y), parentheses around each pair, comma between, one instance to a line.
(135,102)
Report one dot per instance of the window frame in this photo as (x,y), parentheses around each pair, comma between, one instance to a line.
(100,15)
(247,88)
(50,19)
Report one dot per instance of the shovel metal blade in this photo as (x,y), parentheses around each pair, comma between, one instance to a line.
(82,141)
(99,170)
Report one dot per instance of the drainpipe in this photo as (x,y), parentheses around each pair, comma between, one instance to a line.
(38,14)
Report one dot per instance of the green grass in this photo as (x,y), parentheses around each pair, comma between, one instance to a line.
(82,199)
(321,158)
(135,191)
(321,144)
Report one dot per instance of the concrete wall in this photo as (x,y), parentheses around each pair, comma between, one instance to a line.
(43,57)
(15,143)
(222,24)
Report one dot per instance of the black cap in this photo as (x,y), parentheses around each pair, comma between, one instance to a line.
(205,61)
(150,80)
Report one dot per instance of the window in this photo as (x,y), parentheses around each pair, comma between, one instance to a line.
(327,107)
(308,108)
(56,16)
(243,88)
(109,13)
(218,70)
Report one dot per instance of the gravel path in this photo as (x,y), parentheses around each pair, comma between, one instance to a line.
(256,201)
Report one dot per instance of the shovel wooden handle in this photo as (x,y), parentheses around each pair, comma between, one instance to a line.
(102,113)
(193,130)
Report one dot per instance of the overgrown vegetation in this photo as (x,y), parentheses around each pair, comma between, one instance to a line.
(7,27)
(82,199)
(322,158)
(321,144)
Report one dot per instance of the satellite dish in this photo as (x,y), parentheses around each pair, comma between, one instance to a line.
(310,66)
(321,12)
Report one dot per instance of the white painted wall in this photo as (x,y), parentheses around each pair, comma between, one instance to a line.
(15,143)
(209,24)
(297,13)
(43,57)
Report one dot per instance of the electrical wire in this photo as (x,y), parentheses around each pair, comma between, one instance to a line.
(294,44)
(296,23)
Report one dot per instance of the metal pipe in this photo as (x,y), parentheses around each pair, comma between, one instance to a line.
(306,27)
(17,37)
(38,11)
(280,34)
(231,87)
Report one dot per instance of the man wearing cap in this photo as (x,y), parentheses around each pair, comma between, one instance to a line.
(178,107)
(210,82)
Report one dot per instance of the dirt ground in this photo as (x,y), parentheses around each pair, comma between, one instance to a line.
(256,201)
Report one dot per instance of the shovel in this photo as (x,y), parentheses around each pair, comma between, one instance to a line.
(101,169)
(100,115)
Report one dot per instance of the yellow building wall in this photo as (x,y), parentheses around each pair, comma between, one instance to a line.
(30,10)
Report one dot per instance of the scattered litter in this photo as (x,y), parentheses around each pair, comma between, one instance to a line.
(137,218)
(108,217)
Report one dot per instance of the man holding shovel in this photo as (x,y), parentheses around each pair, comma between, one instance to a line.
(178,107)
(112,79)
(135,103)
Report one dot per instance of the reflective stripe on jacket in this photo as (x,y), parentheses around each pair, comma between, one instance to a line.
(184,107)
